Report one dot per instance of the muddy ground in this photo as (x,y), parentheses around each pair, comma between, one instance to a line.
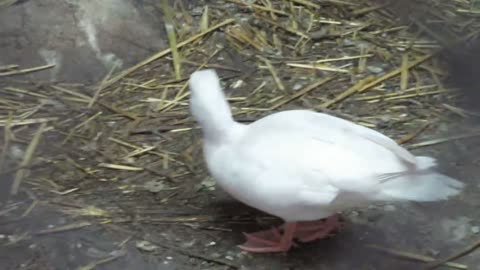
(200,227)
(200,230)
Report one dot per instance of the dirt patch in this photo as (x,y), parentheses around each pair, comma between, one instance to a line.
(84,43)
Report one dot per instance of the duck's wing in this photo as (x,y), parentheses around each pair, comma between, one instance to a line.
(312,158)
(374,136)
(327,127)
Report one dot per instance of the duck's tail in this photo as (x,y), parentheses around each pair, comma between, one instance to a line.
(421,185)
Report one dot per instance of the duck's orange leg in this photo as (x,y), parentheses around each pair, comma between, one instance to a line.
(270,240)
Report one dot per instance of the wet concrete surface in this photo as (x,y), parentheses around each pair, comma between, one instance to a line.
(84,39)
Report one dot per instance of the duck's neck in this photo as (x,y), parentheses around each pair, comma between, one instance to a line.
(217,123)
(214,135)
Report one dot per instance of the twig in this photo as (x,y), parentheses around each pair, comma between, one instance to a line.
(25,71)
(165,52)
(443,140)
(413,135)
(94,265)
(6,141)
(350,91)
(99,89)
(404,72)
(204,21)
(27,159)
(68,227)
(396,72)
(14,123)
(284,27)
(192,254)
(259,7)
(120,167)
(9,67)
(172,38)
(368,83)
(318,67)
(414,256)
(306,3)
(303,92)
(272,70)
(114,109)
(447,260)
(179,250)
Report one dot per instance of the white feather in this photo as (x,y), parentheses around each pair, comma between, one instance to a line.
(302,165)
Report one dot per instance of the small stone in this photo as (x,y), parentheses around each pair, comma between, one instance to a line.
(211,244)
(155,186)
(475,229)
(16,152)
(146,246)
(208,183)
(374,69)
(228,257)
(197,11)
(237,84)
(297,86)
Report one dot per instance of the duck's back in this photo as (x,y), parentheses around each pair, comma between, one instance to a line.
(316,140)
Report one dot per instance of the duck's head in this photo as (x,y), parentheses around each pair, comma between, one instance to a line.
(208,104)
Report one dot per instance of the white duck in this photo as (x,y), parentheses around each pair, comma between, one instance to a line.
(304,166)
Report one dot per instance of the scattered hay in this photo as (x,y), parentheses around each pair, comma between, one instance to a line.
(354,59)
